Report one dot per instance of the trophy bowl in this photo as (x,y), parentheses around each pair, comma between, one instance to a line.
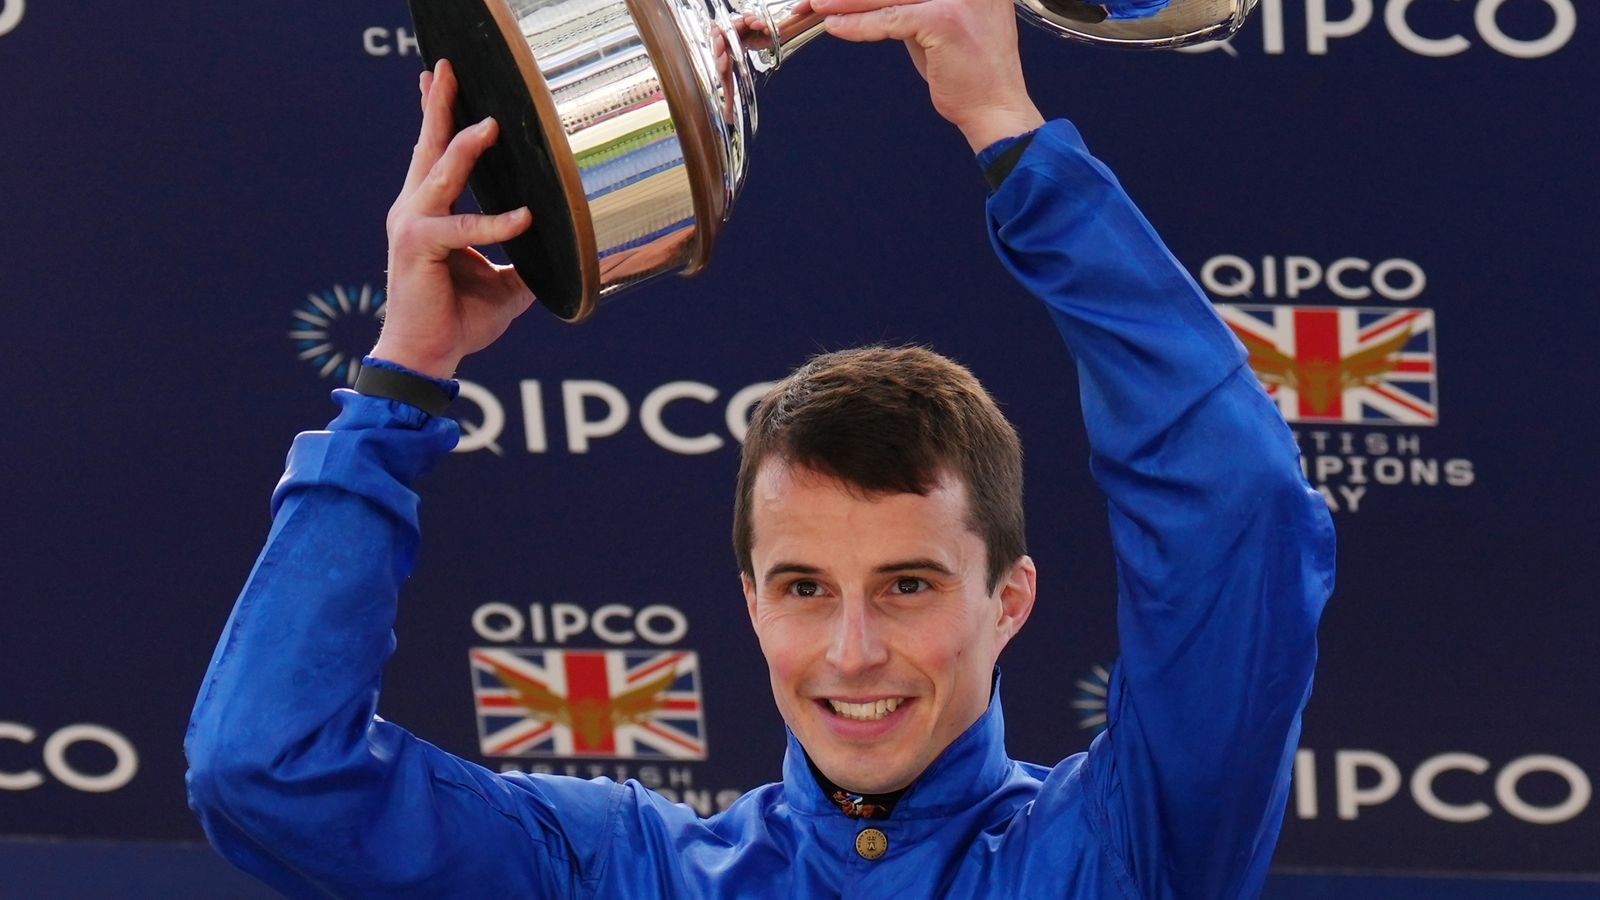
(624,124)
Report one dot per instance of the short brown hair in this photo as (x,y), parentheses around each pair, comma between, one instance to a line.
(891,420)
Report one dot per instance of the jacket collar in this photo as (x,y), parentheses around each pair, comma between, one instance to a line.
(973,767)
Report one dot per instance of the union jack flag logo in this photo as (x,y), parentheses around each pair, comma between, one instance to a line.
(627,704)
(1351,364)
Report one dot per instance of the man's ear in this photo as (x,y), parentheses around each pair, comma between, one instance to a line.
(1016,592)
(749,585)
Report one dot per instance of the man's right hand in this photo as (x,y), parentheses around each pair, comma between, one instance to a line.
(445,300)
(965,49)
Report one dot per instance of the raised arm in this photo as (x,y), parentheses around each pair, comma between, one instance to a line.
(292,774)
(1224,553)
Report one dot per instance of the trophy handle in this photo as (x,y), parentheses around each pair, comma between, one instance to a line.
(770,30)
(1139,24)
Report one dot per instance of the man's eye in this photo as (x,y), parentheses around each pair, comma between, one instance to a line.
(909,585)
(805,589)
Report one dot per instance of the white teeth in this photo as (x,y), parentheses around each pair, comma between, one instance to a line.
(866,711)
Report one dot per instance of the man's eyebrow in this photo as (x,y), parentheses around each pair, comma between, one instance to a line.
(920,564)
(914,565)
(788,568)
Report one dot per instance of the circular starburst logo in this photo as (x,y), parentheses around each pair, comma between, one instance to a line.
(1089,698)
(335,328)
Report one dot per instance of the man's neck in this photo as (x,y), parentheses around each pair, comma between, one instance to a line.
(853,804)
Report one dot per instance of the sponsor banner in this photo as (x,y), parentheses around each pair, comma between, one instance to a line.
(596,463)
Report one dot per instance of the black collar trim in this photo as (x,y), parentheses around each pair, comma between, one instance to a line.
(856,806)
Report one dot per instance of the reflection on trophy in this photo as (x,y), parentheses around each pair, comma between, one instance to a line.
(625,123)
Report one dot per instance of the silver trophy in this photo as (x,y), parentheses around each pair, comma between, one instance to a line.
(625,124)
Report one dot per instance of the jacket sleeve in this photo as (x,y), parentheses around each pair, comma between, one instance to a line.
(1224,553)
(292,774)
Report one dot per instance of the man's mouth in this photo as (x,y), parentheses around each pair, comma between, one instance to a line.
(866,712)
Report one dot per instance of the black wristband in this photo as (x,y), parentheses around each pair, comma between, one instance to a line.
(1006,161)
(406,388)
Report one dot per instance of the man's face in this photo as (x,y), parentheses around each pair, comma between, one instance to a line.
(872,612)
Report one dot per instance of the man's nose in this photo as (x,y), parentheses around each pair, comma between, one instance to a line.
(858,642)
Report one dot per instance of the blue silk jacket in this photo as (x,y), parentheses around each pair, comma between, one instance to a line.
(1224,561)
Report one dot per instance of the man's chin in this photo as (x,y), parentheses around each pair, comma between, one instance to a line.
(862,756)
(865,770)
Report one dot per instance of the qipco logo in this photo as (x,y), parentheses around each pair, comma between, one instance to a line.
(592,411)
(10,15)
(1522,29)
(74,756)
(1350,278)
(1539,788)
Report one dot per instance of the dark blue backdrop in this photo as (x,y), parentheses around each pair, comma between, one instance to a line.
(178,180)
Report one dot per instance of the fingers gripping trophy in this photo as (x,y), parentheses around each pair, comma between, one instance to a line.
(624,125)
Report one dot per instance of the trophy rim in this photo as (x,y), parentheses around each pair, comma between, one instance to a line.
(498,76)
(691,121)
(549,122)
(1124,33)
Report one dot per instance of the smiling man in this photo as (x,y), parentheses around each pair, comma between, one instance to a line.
(878,525)
(879,533)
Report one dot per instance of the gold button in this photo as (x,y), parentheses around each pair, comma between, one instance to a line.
(872,843)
